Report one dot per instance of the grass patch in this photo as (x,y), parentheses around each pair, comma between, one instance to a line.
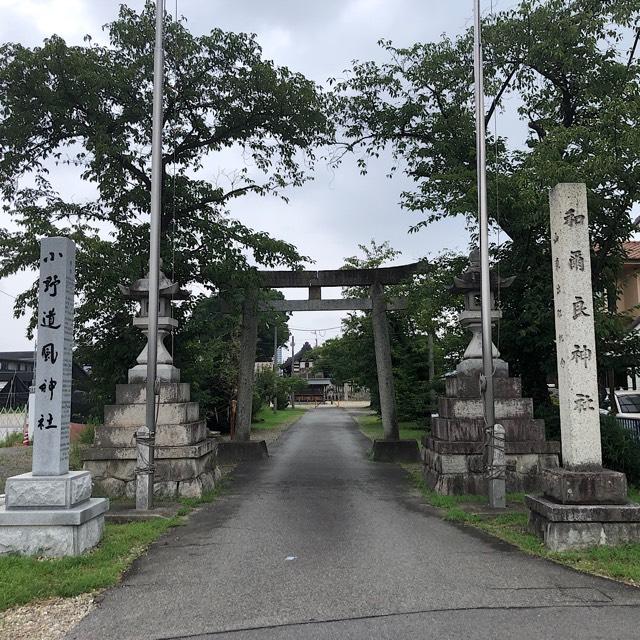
(25,579)
(371,426)
(269,420)
(621,563)
(205,498)
(11,440)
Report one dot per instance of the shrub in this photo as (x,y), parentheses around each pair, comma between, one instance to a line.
(87,434)
(11,439)
(620,449)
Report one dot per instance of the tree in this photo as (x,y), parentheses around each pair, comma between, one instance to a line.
(88,108)
(572,68)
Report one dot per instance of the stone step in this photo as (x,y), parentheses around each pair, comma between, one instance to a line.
(174,469)
(137,393)
(477,448)
(461,386)
(469,430)
(473,408)
(166,435)
(161,452)
(134,415)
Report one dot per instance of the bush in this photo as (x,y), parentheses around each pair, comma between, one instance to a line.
(87,434)
(11,439)
(550,413)
(620,449)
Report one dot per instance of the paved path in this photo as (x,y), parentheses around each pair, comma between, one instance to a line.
(319,542)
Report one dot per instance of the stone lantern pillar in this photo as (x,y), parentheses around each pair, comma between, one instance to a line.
(169,291)
(453,455)
(186,451)
(468,283)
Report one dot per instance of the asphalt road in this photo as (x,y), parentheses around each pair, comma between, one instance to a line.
(319,542)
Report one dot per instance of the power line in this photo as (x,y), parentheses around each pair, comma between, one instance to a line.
(314,330)
(7,294)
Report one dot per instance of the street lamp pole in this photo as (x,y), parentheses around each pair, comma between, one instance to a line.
(496,485)
(154,249)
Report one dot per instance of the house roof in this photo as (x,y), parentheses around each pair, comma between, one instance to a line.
(632,249)
(298,357)
(16,355)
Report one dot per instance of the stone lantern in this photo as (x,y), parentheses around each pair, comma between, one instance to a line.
(168,292)
(453,454)
(468,283)
(186,452)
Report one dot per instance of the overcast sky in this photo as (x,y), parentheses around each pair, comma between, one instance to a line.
(327,218)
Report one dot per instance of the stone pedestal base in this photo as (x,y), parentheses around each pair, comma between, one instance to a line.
(27,491)
(235,451)
(164,372)
(600,486)
(454,454)
(395,451)
(185,453)
(563,527)
(458,468)
(52,532)
(583,509)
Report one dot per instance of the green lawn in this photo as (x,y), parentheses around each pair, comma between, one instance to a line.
(269,420)
(371,426)
(25,579)
(622,562)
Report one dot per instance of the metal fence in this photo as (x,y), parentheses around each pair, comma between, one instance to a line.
(632,425)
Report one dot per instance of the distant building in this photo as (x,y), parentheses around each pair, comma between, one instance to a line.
(629,283)
(320,388)
(263,365)
(16,376)
(628,301)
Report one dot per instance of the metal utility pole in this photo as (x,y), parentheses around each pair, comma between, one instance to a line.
(275,368)
(432,374)
(496,485)
(293,357)
(146,501)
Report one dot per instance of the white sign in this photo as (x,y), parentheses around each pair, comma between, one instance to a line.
(53,357)
(575,334)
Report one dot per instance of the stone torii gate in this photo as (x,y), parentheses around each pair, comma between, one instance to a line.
(375,279)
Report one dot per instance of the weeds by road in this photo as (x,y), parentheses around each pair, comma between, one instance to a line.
(371,426)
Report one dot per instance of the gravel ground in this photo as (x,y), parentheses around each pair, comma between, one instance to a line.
(46,620)
(13,461)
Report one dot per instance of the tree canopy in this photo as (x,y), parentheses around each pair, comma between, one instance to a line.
(571,70)
(87,109)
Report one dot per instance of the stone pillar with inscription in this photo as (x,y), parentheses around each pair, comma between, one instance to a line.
(49,511)
(583,504)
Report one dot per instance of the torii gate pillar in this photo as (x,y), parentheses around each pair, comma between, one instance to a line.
(248,338)
(383,364)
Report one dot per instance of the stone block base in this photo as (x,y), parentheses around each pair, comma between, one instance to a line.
(463,473)
(27,491)
(168,483)
(185,451)
(599,486)
(563,527)
(181,471)
(52,532)
(235,451)
(395,451)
